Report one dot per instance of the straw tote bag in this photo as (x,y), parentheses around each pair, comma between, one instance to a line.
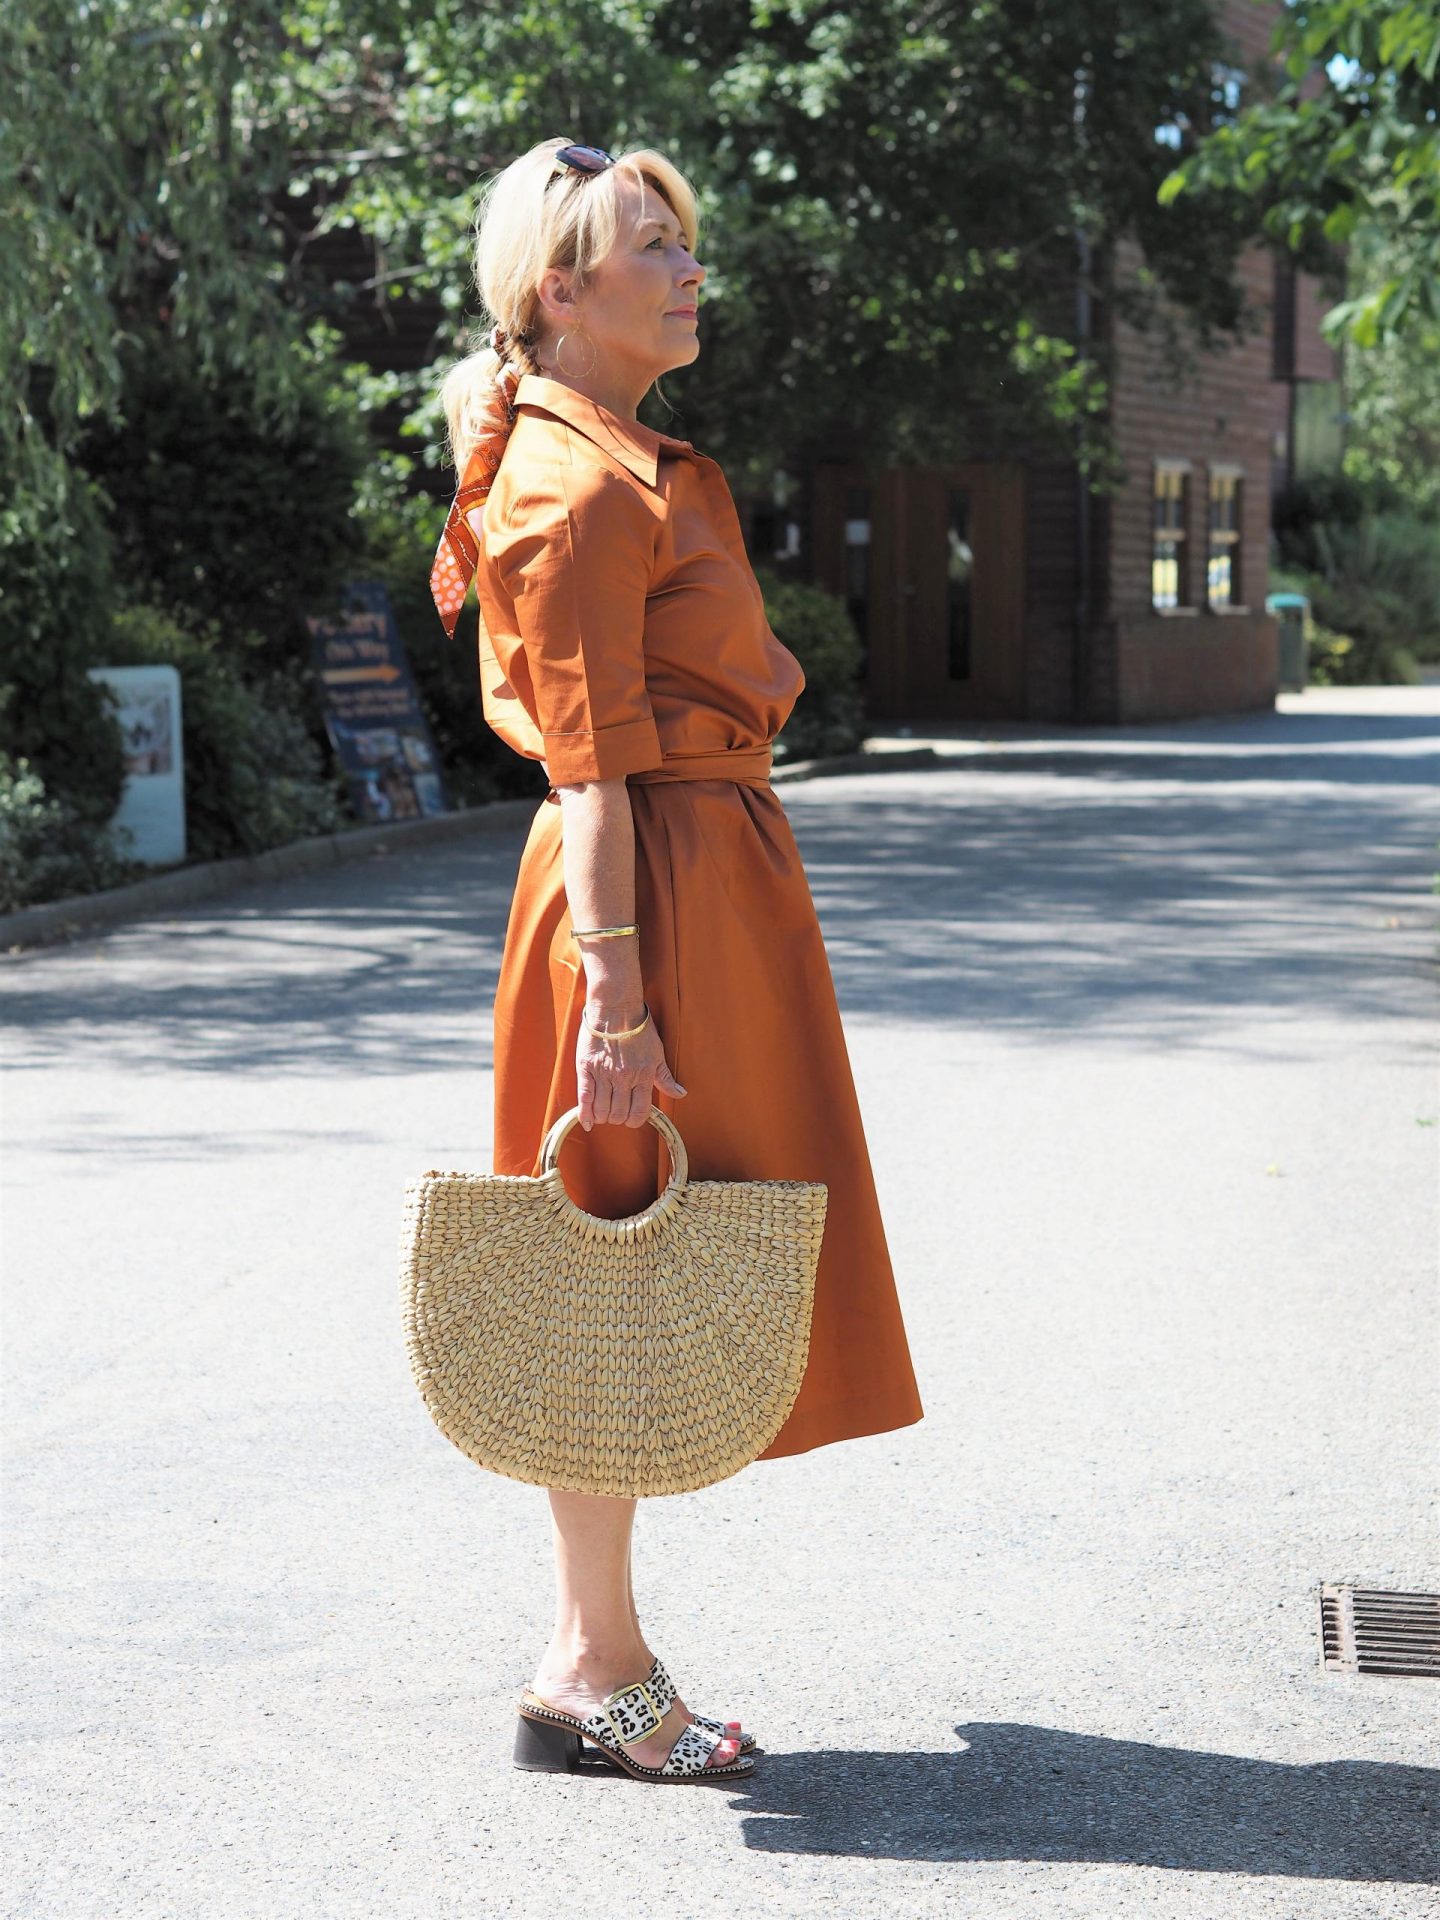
(647,1355)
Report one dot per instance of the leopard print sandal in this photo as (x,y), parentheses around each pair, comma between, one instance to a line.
(722,1729)
(549,1741)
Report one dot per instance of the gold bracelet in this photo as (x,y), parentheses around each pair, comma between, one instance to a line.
(617,1033)
(601,933)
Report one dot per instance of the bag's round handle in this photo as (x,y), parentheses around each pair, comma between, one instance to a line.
(664,1126)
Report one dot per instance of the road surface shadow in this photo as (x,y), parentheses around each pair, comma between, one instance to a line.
(1038,1793)
(1093,906)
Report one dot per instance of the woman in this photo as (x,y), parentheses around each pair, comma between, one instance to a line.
(662,923)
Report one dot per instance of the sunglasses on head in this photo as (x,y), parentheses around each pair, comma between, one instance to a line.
(585,159)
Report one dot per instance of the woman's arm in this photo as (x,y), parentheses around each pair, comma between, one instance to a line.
(614,1078)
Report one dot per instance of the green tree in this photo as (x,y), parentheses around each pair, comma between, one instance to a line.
(1392,394)
(1348,141)
(219,512)
(903,193)
(146,152)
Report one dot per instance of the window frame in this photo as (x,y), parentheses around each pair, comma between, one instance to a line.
(1178,535)
(1230,537)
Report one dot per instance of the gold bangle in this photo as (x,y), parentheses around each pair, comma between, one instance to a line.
(600,933)
(616,1033)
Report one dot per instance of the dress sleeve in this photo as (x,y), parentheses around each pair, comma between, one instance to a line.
(575,558)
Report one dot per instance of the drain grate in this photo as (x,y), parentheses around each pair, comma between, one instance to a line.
(1364,1630)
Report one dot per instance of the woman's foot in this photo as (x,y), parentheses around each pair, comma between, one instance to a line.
(579,1684)
(659,1674)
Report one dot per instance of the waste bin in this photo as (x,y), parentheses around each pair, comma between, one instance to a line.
(1292,611)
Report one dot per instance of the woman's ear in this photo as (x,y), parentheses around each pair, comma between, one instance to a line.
(557,295)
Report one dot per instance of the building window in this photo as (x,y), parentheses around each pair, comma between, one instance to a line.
(960,569)
(1222,570)
(1169,573)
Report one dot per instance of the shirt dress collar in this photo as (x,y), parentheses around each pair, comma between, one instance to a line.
(635,445)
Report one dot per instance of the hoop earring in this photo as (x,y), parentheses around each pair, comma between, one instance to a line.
(572,373)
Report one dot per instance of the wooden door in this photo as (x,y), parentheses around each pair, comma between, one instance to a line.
(965,654)
(930,563)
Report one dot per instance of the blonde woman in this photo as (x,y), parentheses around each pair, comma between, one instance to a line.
(662,943)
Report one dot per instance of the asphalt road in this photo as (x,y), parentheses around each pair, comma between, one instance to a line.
(1143,1024)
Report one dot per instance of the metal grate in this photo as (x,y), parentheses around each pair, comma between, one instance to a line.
(1364,1630)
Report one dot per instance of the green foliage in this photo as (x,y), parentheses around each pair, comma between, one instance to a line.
(1323,499)
(1392,395)
(1372,575)
(255,777)
(234,524)
(887,276)
(145,152)
(55,586)
(1348,144)
(882,276)
(48,849)
(828,717)
(1342,660)
(221,514)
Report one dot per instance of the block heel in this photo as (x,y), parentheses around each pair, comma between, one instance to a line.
(545,1749)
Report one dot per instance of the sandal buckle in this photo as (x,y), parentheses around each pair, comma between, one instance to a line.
(622,1710)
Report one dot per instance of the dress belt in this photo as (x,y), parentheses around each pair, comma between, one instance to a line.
(749,765)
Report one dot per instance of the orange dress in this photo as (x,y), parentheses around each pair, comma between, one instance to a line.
(623,632)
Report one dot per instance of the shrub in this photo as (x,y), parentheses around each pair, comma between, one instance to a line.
(1340,660)
(1372,577)
(255,776)
(48,849)
(55,589)
(829,715)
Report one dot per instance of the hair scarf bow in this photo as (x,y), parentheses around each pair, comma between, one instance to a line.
(458,555)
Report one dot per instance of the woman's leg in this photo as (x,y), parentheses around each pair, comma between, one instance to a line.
(597,1645)
(630,1595)
(645,1654)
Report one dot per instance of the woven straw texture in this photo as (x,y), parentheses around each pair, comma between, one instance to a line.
(648,1355)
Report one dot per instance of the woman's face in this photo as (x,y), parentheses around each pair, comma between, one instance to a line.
(640,307)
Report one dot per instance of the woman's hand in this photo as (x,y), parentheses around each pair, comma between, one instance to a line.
(615,1078)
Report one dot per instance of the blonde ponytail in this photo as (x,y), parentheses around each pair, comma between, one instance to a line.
(465,396)
(477,396)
